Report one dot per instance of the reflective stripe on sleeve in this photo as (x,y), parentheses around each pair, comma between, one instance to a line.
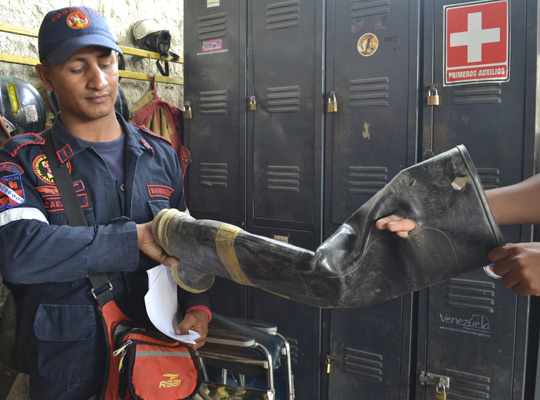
(15,214)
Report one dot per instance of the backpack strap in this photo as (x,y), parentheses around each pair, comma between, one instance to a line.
(64,183)
(101,287)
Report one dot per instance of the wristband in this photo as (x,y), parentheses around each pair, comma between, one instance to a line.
(202,308)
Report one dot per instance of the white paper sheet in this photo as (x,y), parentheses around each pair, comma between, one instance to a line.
(162,304)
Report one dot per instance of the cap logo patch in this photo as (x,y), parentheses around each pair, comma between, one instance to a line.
(78,20)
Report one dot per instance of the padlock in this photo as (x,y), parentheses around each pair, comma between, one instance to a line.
(252,103)
(187,110)
(433,98)
(332,103)
(440,392)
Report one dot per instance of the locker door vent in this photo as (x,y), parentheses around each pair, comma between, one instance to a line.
(489,177)
(367,366)
(366,180)
(478,95)
(281,178)
(468,386)
(472,295)
(282,15)
(213,174)
(283,99)
(369,92)
(212,26)
(214,102)
(367,8)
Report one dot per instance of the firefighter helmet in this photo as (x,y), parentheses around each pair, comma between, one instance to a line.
(149,36)
(21,106)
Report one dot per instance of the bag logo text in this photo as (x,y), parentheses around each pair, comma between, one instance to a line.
(172,382)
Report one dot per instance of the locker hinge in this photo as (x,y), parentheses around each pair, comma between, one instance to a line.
(332,103)
(439,381)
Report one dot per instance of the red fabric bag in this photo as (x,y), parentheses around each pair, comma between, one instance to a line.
(154,366)
(146,364)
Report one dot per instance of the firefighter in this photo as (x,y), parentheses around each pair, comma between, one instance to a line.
(114,166)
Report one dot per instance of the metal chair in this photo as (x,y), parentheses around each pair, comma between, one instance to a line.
(245,348)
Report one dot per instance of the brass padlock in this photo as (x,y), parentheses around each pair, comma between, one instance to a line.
(440,392)
(252,103)
(187,110)
(332,103)
(433,98)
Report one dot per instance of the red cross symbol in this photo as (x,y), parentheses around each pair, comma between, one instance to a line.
(476,41)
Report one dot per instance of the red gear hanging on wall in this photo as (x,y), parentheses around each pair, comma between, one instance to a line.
(164,119)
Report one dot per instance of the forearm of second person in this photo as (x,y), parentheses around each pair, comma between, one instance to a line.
(516,204)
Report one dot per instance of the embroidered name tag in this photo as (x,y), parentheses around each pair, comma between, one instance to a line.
(53,202)
(11,192)
(160,191)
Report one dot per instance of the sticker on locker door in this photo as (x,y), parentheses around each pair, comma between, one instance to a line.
(476,42)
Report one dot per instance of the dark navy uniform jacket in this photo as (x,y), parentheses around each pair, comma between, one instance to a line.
(38,248)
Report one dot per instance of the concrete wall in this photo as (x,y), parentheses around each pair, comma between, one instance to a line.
(120,15)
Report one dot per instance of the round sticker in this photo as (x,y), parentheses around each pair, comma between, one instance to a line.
(368,44)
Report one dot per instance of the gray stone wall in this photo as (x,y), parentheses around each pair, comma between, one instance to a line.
(121,15)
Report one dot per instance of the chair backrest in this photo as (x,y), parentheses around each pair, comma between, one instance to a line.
(225,325)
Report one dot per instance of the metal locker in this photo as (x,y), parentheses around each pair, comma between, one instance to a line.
(371,65)
(285,41)
(299,323)
(215,72)
(285,135)
(302,110)
(472,329)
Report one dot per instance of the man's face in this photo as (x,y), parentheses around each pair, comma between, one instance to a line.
(86,84)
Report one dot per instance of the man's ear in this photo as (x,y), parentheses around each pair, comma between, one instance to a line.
(45,77)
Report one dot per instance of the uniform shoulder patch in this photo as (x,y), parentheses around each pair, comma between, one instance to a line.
(11,167)
(11,191)
(17,142)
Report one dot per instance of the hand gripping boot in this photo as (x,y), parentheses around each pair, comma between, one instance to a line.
(358,265)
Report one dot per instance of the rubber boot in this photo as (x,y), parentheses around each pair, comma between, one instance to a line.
(358,265)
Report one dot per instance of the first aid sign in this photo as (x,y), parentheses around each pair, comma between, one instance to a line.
(476,42)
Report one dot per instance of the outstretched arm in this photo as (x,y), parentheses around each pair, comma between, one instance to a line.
(516,204)
(517,264)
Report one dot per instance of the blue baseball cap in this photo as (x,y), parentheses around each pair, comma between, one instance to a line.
(67,30)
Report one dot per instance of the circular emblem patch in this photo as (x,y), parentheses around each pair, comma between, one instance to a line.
(43,170)
(368,44)
(78,20)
